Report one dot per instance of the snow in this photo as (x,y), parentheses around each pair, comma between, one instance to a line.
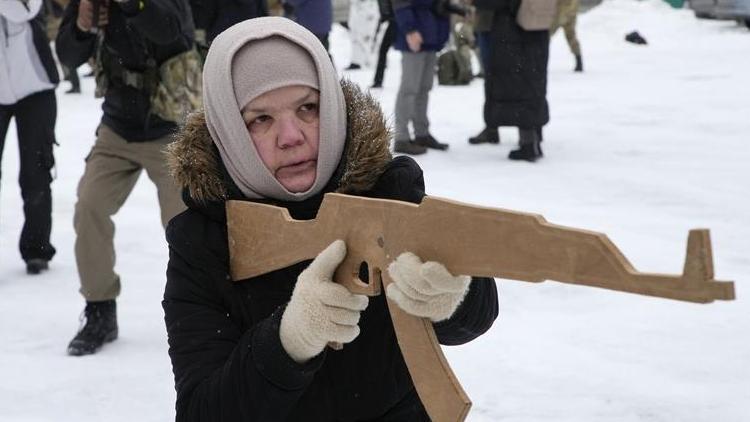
(648,143)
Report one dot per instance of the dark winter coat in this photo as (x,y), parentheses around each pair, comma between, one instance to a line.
(227,358)
(214,16)
(161,30)
(419,15)
(516,77)
(41,43)
(315,15)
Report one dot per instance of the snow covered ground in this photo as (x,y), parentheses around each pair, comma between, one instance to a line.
(648,143)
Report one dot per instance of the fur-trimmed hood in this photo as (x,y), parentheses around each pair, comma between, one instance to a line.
(195,163)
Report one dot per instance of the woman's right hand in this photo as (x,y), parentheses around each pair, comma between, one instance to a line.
(320,311)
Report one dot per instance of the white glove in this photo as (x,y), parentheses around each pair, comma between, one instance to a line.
(427,289)
(320,311)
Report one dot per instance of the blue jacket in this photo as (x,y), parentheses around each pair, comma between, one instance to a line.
(418,15)
(315,15)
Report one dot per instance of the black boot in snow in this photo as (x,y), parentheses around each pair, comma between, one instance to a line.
(428,141)
(486,136)
(408,147)
(530,148)
(579,63)
(36,265)
(100,327)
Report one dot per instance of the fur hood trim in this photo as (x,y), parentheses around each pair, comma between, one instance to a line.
(195,164)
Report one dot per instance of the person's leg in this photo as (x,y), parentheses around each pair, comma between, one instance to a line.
(490,134)
(152,160)
(411,71)
(6,112)
(529,145)
(71,75)
(35,123)
(107,181)
(385,45)
(572,38)
(421,122)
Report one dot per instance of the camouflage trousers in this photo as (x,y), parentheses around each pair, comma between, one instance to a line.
(112,169)
(567,13)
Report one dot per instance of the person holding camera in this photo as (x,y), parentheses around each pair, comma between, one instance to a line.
(421,33)
(144,53)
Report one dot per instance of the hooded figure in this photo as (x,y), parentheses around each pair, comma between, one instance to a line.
(279,128)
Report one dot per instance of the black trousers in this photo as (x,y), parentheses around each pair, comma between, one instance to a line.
(35,124)
(388,37)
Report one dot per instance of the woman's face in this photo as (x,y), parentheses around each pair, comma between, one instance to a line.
(284,126)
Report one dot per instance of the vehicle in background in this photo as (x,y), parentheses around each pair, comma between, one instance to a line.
(738,10)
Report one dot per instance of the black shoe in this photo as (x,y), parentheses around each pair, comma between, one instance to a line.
(100,327)
(579,64)
(377,85)
(36,265)
(486,136)
(74,90)
(353,66)
(528,152)
(635,38)
(428,141)
(408,147)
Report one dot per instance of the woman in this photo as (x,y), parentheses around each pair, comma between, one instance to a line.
(279,128)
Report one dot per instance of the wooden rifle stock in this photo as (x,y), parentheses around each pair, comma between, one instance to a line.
(467,239)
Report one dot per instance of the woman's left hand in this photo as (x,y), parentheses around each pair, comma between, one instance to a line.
(425,289)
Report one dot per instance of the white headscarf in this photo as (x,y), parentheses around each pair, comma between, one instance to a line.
(277,43)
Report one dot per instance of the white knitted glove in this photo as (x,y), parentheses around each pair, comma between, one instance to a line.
(427,289)
(320,311)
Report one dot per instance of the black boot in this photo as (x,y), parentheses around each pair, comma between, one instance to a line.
(579,63)
(408,147)
(100,327)
(428,141)
(530,149)
(486,136)
(36,265)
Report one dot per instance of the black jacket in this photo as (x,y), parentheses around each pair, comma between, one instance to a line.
(39,31)
(214,16)
(516,76)
(160,30)
(227,358)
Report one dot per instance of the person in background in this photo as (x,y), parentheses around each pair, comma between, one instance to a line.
(567,14)
(53,10)
(315,15)
(133,38)
(515,83)
(363,25)
(213,16)
(285,131)
(28,77)
(386,17)
(421,33)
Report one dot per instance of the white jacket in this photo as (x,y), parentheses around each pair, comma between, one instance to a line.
(21,69)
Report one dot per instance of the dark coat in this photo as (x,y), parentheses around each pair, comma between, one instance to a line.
(315,15)
(516,77)
(214,16)
(419,15)
(227,358)
(163,29)
(41,43)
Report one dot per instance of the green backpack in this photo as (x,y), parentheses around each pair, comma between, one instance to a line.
(454,68)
